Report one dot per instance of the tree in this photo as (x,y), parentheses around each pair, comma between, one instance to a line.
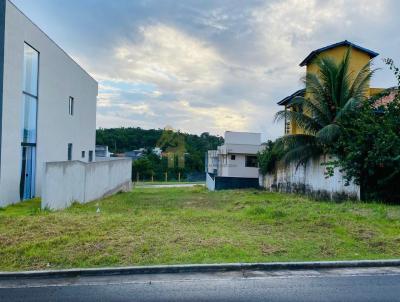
(268,158)
(368,148)
(126,139)
(330,96)
(142,167)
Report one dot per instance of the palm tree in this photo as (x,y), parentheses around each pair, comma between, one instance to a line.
(331,95)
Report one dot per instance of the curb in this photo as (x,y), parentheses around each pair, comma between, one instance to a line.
(198,268)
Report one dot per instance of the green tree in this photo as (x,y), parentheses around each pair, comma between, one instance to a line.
(331,94)
(142,167)
(268,158)
(368,148)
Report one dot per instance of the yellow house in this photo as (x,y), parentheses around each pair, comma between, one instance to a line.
(360,56)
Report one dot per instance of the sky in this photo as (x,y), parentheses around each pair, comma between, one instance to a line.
(208,65)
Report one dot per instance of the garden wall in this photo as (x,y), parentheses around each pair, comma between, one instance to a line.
(75,181)
(310,179)
(225,183)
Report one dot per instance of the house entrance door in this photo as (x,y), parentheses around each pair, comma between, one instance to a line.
(28,167)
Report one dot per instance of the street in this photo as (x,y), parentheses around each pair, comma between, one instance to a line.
(364,284)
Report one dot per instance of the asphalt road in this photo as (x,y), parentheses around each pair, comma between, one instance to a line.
(382,284)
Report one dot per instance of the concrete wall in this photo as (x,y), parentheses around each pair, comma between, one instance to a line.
(242,138)
(225,183)
(310,179)
(210,182)
(236,167)
(59,78)
(70,181)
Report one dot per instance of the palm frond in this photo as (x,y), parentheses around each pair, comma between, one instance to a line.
(351,105)
(329,134)
(361,82)
(307,123)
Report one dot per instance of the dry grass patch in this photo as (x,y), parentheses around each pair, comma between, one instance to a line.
(192,225)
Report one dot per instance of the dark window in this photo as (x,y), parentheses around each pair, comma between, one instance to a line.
(71,105)
(83,154)
(90,156)
(69,151)
(251,161)
(233,157)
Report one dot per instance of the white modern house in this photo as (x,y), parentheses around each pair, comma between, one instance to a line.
(234,164)
(47,107)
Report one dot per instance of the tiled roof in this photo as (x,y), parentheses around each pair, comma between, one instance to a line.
(386,99)
(316,52)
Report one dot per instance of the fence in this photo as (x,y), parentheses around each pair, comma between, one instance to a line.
(76,181)
(214,182)
(310,179)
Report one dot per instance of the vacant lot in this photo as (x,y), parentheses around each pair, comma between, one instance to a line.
(191,225)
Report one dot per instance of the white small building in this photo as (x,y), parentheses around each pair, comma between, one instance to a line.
(235,163)
(102,151)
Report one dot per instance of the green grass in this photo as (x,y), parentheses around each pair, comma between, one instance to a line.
(192,225)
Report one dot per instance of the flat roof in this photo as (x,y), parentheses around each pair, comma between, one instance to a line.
(316,52)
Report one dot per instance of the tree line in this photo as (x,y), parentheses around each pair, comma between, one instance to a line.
(184,153)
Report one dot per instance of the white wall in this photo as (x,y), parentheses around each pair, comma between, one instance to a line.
(59,78)
(244,138)
(237,167)
(210,182)
(310,179)
(212,161)
(69,181)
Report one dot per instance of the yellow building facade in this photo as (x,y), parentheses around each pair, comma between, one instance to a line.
(360,56)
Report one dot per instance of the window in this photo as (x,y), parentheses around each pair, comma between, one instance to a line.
(233,157)
(31,70)
(30,94)
(69,151)
(83,154)
(29,121)
(90,156)
(251,161)
(71,105)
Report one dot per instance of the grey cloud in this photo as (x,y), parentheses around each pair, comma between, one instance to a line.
(213,64)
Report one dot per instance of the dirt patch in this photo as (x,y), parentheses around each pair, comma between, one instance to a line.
(365,235)
(268,249)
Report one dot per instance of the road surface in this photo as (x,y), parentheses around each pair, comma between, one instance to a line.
(380,284)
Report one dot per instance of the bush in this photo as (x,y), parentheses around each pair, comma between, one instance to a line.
(268,158)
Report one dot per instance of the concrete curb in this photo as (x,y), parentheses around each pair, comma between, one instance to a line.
(198,268)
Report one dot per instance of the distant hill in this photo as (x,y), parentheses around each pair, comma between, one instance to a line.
(120,140)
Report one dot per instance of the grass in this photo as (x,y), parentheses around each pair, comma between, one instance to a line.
(192,225)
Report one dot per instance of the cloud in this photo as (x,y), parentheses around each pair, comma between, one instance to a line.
(167,58)
(208,65)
